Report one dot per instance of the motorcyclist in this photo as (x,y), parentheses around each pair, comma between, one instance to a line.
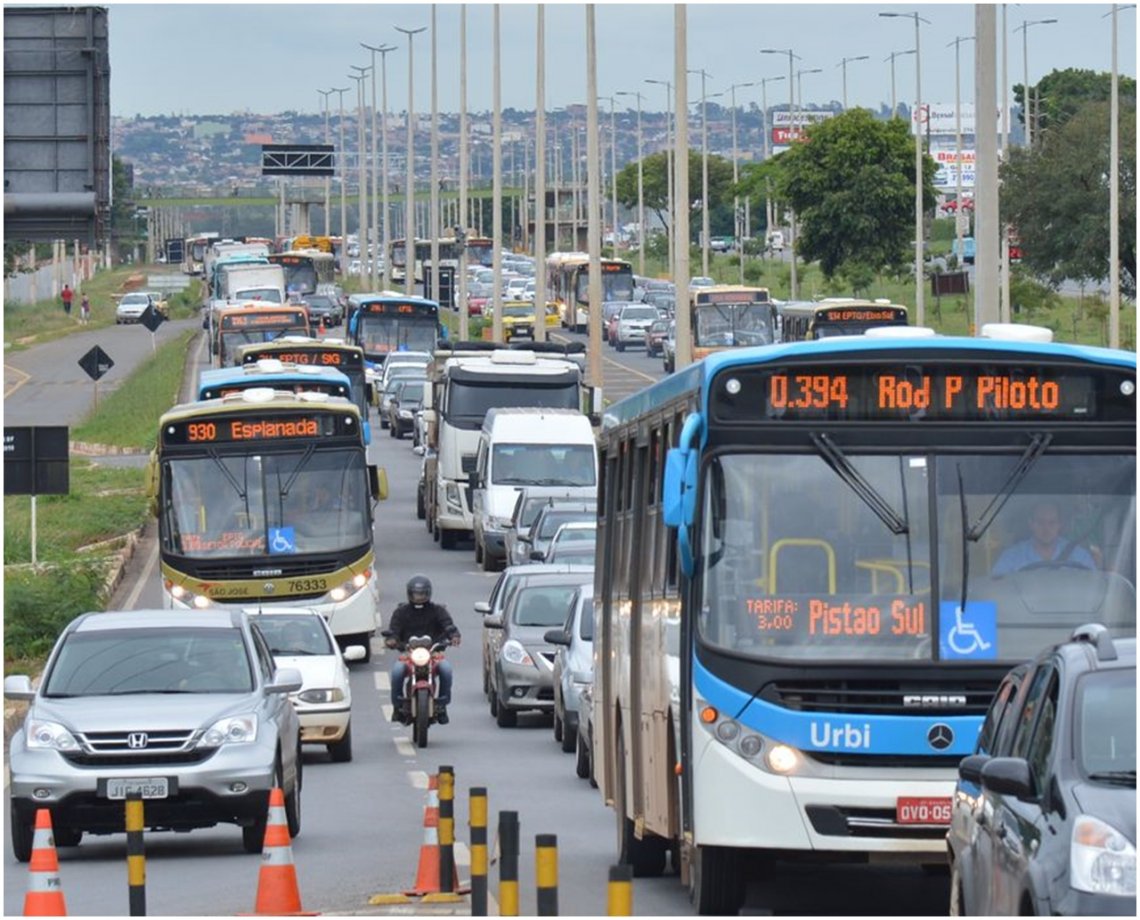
(420,617)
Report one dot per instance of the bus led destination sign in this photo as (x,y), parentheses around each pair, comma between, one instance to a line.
(925,393)
(234,429)
(260,317)
(319,357)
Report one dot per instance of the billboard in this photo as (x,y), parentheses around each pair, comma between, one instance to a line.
(946,176)
(784,131)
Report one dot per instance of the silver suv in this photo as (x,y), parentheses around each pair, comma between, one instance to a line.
(184,707)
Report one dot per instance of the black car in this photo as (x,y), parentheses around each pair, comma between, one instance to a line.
(1043,819)
(322,306)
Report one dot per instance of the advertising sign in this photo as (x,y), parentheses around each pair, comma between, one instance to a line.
(946,177)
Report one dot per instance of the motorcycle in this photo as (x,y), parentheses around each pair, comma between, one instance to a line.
(421,684)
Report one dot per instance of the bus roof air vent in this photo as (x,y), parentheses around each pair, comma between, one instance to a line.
(312,396)
(258,395)
(899,332)
(506,356)
(267,366)
(1017,332)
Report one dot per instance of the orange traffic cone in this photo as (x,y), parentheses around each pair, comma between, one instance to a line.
(321,327)
(427,874)
(277,891)
(45,892)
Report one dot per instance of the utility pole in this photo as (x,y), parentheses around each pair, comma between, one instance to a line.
(497,185)
(768,209)
(671,211)
(844,64)
(735,180)
(410,180)
(704,173)
(958,209)
(640,190)
(343,182)
(433,198)
(325,93)
(362,219)
(382,236)
(464,222)
(593,206)
(683,336)
(540,178)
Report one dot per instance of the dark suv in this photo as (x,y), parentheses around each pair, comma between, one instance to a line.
(1044,813)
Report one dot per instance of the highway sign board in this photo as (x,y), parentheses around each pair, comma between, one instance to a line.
(36,460)
(151,318)
(96,362)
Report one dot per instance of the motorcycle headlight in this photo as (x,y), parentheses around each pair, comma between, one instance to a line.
(514,653)
(41,735)
(420,656)
(232,730)
(330,695)
(1101,859)
(350,587)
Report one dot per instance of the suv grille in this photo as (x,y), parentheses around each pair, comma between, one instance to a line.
(875,696)
(167,746)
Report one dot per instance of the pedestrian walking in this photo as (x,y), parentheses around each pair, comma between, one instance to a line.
(85,310)
(67,296)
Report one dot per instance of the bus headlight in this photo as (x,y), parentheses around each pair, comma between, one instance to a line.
(738,738)
(451,495)
(187,597)
(350,587)
(782,759)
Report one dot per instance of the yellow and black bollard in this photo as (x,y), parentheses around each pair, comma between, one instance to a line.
(447,880)
(478,821)
(136,858)
(546,874)
(619,896)
(508,863)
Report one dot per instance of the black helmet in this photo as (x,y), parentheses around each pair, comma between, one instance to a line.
(419,590)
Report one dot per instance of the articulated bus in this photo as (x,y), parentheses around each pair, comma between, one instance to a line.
(568,283)
(233,327)
(305,271)
(480,251)
(266,497)
(728,316)
(334,354)
(384,323)
(802,610)
(797,320)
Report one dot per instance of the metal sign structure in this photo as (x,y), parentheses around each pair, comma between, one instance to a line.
(297,160)
(36,460)
(96,362)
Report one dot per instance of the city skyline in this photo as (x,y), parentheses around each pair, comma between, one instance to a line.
(326,40)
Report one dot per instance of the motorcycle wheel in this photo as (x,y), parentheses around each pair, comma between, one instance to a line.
(422,717)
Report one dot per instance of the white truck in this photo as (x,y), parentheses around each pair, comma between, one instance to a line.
(243,282)
(466,381)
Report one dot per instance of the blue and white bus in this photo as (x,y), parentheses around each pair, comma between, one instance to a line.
(801,608)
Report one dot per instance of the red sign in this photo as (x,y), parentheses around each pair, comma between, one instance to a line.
(923,810)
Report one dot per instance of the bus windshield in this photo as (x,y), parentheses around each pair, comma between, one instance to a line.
(831,557)
(480,253)
(615,286)
(232,340)
(733,324)
(379,334)
(275,504)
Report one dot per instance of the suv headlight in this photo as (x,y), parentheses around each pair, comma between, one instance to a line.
(231,730)
(41,735)
(514,653)
(350,587)
(1101,859)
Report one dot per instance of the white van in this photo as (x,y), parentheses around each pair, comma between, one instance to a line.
(521,447)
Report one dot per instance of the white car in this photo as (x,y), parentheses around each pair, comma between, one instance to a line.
(301,638)
(132,306)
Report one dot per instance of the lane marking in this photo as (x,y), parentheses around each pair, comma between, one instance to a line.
(144,577)
(419,779)
(19,383)
(404,744)
(562,338)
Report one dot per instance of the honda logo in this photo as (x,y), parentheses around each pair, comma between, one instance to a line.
(934,701)
(940,736)
(136,741)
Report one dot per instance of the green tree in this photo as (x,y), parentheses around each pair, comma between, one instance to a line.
(1057,197)
(655,186)
(1062,93)
(851,184)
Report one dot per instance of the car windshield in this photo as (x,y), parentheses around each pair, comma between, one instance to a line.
(649,313)
(129,299)
(1105,724)
(291,634)
(575,534)
(581,553)
(550,523)
(542,605)
(113,662)
(832,556)
(275,504)
(543,464)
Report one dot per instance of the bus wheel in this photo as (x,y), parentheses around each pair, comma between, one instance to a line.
(448,539)
(715,884)
(645,856)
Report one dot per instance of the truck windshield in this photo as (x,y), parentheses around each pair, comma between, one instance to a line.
(468,402)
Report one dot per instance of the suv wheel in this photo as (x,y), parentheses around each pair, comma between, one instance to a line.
(23,832)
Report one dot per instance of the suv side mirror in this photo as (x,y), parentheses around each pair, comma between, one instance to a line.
(557,637)
(970,769)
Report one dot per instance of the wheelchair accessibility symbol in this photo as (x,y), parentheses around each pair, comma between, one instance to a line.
(281,541)
(969,633)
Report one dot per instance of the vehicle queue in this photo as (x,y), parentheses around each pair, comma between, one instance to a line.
(727,581)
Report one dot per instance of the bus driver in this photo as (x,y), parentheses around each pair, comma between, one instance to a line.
(1044,545)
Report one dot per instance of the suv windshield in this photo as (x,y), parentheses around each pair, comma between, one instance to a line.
(121,661)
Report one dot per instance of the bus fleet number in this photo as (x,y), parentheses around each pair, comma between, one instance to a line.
(807,391)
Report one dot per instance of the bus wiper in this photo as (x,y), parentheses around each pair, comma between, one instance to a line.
(284,490)
(1036,448)
(1124,777)
(213,455)
(854,480)
(965,540)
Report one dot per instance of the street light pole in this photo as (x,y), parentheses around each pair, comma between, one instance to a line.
(1026,108)
(843,64)
(362,219)
(919,279)
(1114,194)
(683,352)
(613,174)
(464,223)
(382,235)
(343,169)
(410,179)
(736,215)
(496,183)
(540,178)
(791,134)
(325,93)
(1004,313)
(593,209)
(891,57)
(768,210)
(958,209)
(704,173)
(433,198)
(671,235)
(640,190)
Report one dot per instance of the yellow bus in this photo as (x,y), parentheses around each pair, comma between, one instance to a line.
(233,327)
(820,319)
(730,316)
(568,283)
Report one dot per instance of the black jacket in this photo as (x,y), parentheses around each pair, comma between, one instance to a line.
(430,620)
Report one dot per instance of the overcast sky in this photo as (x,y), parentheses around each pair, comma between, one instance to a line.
(218,58)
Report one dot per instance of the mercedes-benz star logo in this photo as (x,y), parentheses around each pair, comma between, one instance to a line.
(940,736)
